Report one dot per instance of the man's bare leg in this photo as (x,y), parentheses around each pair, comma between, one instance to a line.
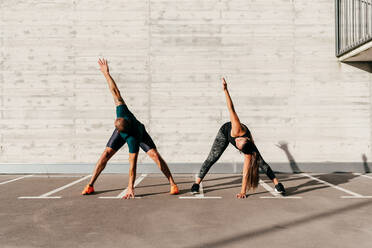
(154,154)
(101,164)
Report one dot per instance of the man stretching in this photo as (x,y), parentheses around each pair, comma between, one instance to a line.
(127,129)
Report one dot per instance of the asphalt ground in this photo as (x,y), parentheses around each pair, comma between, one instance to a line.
(320,210)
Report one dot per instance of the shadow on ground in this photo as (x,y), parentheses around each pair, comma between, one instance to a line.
(311,183)
(226,242)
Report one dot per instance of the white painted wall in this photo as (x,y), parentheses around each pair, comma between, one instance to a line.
(167,58)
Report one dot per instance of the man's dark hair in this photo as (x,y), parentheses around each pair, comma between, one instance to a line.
(122,125)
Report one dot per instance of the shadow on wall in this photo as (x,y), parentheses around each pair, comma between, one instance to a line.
(294,167)
(284,146)
(365,164)
(365,66)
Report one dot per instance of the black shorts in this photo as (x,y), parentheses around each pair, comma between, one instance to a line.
(116,141)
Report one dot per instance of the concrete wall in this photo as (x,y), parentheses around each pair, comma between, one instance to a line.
(167,58)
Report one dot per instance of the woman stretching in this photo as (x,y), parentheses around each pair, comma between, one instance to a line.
(239,135)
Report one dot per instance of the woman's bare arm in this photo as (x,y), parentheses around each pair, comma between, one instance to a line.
(235,122)
(243,191)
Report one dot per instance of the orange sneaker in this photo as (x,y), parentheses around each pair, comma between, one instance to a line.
(88,190)
(174,190)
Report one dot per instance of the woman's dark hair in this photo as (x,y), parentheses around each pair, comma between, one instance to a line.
(253,173)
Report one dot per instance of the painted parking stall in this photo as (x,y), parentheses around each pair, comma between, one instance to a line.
(350,194)
(152,186)
(124,192)
(201,194)
(49,194)
(15,179)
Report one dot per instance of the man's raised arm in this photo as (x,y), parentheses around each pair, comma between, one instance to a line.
(112,85)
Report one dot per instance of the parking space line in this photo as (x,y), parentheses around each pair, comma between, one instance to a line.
(363,175)
(15,179)
(274,193)
(283,197)
(269,189)
(359,197)
(124,192)
(200,195)
(64,187)
(47,195)
(40,197)
(353,194)
(57,176)
(201,190)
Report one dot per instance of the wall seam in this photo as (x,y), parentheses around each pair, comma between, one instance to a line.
(74,155)
(149,68)
(2,60)
(370,114)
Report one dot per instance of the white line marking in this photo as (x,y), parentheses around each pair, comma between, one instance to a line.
(115,197)
(199,197)
(363,175)
(63,176)
(332,185)
(47,195)
(274,193)
(284,197)
(269,189)
(39,197)
(15,179)
(358,197)
(201,193)
(123,193)
(64,187)
(201,190)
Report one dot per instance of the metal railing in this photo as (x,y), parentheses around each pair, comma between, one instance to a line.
(353,24)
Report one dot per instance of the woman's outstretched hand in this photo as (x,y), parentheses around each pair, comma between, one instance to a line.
(224,84)
(103,66)
(241,196)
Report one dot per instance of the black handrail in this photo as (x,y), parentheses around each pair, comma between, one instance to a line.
(353,24)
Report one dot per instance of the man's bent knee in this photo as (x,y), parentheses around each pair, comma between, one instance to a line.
(153,153)
(107,154)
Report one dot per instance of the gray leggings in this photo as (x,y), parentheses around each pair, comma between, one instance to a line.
(219,146)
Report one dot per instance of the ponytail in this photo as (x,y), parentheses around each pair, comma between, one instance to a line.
(253,173)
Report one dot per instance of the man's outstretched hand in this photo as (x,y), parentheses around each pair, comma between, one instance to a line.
(129,194)
(224,84)
(103,66)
